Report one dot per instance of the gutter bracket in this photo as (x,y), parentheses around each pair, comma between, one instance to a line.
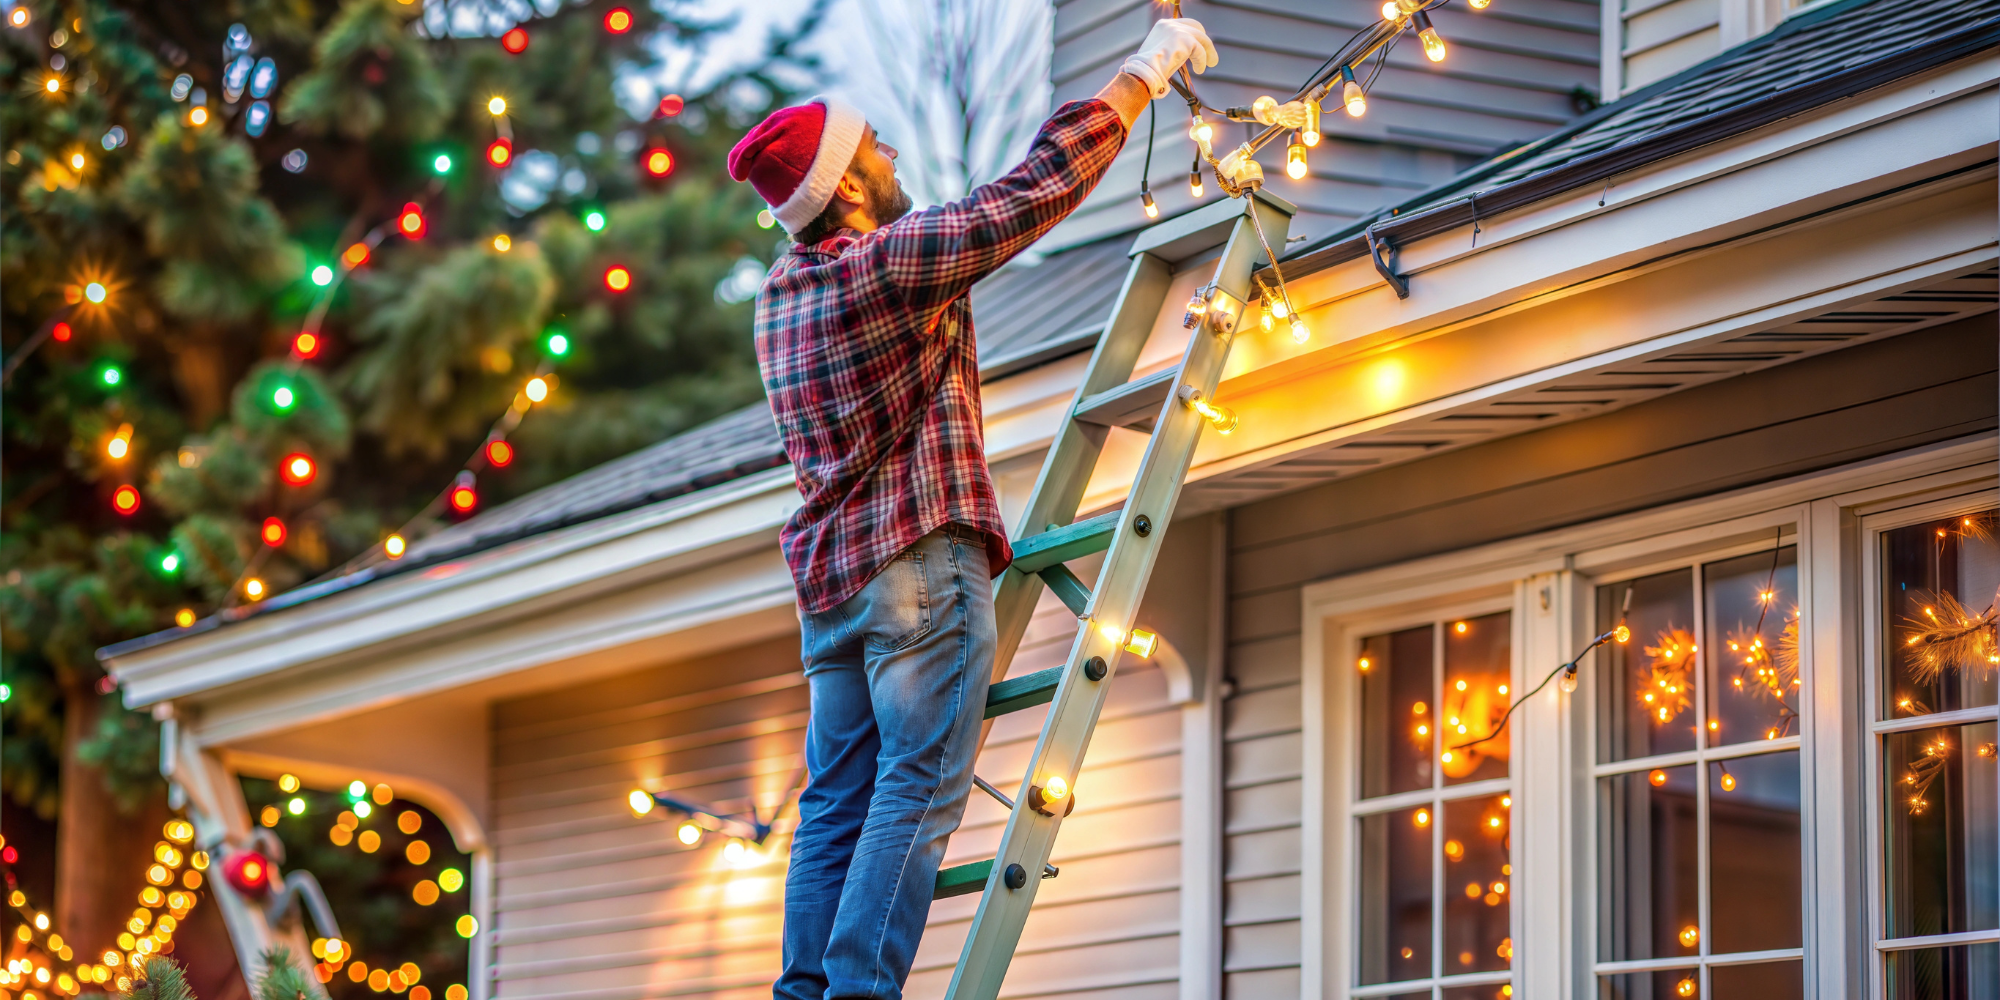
(1401,283)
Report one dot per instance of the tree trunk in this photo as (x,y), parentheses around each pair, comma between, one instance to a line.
(101,853)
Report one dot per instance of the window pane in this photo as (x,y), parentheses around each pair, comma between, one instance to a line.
(1763,981)
(1666,984)
(1755,866)
(1398,716)
(1942,840)
(1477,879)
(1969,972)
(1491,991)
(1649,865)
(1937,573)
(1753,646)
(1395,899)
(1637,715)
(1476,669)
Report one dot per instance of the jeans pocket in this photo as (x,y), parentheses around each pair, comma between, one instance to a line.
(899,604)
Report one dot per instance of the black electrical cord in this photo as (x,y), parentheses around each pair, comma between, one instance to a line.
(1565,668)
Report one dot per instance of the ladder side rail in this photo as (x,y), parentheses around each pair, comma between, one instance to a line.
(1029,835)
(1073,454)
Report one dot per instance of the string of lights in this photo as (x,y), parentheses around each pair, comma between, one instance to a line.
(147,932)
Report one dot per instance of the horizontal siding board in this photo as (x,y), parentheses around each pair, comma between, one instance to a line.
(1261,713)
(1263,807)
(1257,855)
(1273,945)
(1263,759)
(1261,983)
(1262,900)
(1265,663)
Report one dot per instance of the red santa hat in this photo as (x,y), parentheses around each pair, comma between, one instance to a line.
(795,157)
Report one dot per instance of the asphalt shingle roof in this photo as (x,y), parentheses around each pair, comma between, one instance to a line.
(1817,57)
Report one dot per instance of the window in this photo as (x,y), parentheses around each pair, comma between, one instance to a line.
(1700,865)
(1938,922)
(1431,813)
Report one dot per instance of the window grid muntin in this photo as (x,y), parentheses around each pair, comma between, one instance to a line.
(1434,798)
(1700,757)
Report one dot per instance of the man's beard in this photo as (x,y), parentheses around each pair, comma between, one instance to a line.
(894,201)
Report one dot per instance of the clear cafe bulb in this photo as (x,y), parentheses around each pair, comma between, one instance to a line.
(1351,94)
(1295,158)
(1433,45)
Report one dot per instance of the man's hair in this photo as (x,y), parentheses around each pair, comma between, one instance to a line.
(822,226)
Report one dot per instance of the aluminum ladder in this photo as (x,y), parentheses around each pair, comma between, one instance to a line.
(1047,539)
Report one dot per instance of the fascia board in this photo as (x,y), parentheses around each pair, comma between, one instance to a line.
(655,541)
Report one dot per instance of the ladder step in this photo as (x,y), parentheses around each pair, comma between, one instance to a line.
(1132,405)
(1075,596)
(1059,545)
(1017,693)
(962,880)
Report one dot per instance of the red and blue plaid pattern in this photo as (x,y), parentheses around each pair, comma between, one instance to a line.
(866,346)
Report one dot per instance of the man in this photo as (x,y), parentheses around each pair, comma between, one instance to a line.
(864,337)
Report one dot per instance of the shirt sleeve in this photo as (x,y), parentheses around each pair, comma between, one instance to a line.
(933,256)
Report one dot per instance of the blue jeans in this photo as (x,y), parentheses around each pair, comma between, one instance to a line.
(898,675)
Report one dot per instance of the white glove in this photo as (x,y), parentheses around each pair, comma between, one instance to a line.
(1268,111)
(1172,41)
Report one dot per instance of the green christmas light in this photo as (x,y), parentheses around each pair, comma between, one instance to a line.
(6,691)
(111,375)
(282,397)
(442,164)
(322,276)
(593,220)
(170,563)
(558,343)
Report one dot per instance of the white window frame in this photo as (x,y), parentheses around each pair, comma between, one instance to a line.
(1949,503)
(1353,631)
(1550,579)
(1586,720)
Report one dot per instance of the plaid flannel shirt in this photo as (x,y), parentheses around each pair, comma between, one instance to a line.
(866,347)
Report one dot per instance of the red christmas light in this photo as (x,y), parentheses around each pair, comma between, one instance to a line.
(515,40)
(671,105)
(125,500)
(618,21)
(356,255)
(274,532)
(464,498)
(659,162)
(8,853)
(62,333)
(411,221)
(499,453)
(297,469)
(248,872)
(617,278)
(501,152)
(305,345)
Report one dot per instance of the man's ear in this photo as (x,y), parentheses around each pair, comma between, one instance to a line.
(849,190)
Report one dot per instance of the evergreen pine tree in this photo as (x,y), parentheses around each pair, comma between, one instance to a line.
(165,214)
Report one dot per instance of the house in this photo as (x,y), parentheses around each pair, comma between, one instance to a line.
(1695,391)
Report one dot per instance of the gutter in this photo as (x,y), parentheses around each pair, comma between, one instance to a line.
(1397,229)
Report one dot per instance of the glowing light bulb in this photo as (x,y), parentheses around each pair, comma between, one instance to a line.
(1433,44)
(1142,642)
(1146,201)
(1194,179)
(394,546)
(1423,817)
(1310,133)
(1391,12)
(618,21)
(1728,782)
(125,500)
(1295,158)
(18,17)
(1690,936)
(273,532)
(282,398)
(1201,132)
(441,164)
(1224,420)
(52,84)
(500,152)
(356,255)
(537,389)
(198,117)
(1056,789)
(1568,682)
(322,276)
(1622,634)
(618,279)
(659,162)
(515,41)
(94,292)
(641,801)
(76,161)
(1478,4)
(184,617)
(1300,333)
(253,588)
(120,444)
(765,219)
(503,243)
(594,221)
(497,106)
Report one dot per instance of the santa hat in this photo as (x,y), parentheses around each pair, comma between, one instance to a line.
(796,157)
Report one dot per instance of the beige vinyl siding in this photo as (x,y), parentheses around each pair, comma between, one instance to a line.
(1662,39)
(1509,78)
(592,902)
(1920,388)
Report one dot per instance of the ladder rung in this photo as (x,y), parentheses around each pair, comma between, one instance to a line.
(1133,404)
(1059,545)
(1075,596)
(1017,693)
(962,880)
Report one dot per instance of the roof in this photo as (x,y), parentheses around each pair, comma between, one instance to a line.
(1020,325)
(1819,56)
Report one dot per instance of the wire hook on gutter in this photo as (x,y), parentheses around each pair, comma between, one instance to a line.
(1376,246)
